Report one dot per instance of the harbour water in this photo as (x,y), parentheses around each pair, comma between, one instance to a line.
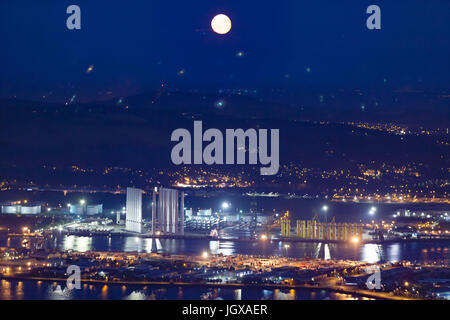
(42,290)
(425,252)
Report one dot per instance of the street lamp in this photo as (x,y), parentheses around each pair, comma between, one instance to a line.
(286,247)
(325,209)
(225,205)
(355,240)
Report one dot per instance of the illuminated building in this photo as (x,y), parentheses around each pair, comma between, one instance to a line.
(14,208)
(94,209)
(133,220)
(167,212)
(285,227)
(316,230)
(81,209)
(76,209)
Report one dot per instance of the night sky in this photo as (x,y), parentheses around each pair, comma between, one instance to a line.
(135,46)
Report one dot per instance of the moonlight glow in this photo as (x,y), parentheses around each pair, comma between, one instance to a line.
(221,24)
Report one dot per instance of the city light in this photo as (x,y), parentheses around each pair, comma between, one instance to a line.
(225,205)
(372,211)
(287,246)
(205,255)
(263,237)
(355,239)
(82,201)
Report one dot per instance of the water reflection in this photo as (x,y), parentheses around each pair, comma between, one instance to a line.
(280,295)
(136,295)
(19,290)
(267,294)
(393,252)
(214,247)
(344,296)
(148,245)
(371,252)
(55,292)
(77,243)
(104,295)
(158,245)
(227,248)
(6,290)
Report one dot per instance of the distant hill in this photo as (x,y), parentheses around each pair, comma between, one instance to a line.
(135,132)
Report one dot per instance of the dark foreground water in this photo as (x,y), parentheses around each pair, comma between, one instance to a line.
(32,290)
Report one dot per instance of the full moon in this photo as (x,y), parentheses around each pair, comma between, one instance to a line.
(221,24)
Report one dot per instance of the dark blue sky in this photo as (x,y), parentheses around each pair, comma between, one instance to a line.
(137,45)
